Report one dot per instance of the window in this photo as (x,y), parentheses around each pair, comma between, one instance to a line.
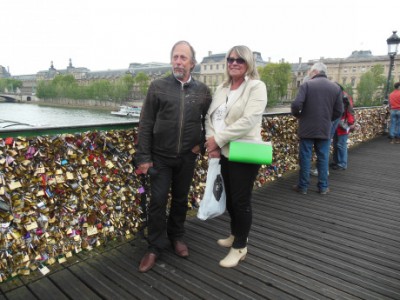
(353,81)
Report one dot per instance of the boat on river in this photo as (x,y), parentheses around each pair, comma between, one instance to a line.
(128,111)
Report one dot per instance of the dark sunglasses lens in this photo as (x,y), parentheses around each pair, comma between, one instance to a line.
(238,60)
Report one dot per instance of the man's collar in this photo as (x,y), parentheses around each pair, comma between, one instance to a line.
(186,82)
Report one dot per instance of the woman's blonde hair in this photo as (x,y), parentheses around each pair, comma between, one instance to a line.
(248,56)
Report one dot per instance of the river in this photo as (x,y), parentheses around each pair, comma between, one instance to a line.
(22,115)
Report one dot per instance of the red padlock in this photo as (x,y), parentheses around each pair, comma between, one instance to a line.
(9,141)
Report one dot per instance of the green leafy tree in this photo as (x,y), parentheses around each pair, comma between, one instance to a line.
(122,88)
(142,81)
(46,90)
(101,90)
(370,87)
(10,84)
(276,77)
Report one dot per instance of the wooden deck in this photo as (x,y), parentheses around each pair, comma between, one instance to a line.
(344,245)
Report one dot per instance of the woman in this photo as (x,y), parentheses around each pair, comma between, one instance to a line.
(236,113)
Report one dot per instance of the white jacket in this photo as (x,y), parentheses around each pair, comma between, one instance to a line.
(243,117)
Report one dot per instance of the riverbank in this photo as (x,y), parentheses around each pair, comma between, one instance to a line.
(112,106)
(96,105)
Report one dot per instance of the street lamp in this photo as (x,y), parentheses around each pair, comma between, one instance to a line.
(393,42)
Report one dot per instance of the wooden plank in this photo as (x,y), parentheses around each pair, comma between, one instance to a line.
(281,249)
(45,289)
(166,283)
(73,286)
(280,277)
(120,276)
(21,293)
(198,275)
(99,282)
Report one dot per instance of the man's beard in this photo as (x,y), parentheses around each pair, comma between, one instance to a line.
(179,73)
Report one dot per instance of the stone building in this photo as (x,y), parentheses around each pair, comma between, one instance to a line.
(4,72)
(211,71)
(212,68)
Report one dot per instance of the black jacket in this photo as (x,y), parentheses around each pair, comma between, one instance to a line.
(317,104)
(172,118)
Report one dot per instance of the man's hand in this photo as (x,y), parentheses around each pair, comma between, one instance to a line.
(196,149)
(145,167)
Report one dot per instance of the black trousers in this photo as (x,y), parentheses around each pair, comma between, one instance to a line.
(173,175)
(239,182)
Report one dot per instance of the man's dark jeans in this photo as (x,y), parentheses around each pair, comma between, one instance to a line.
(172,175)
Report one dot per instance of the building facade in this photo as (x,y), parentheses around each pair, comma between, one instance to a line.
(212,68)
(211,71)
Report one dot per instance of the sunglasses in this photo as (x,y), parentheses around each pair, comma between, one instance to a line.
(239,60)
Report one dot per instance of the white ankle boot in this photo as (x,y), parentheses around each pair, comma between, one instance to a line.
(226,242)
(233,257)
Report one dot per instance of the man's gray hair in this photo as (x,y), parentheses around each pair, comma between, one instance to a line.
(319,67)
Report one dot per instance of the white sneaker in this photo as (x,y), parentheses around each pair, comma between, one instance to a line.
(314,172)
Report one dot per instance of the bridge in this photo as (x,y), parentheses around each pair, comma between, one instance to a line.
(344,245)
(17,97)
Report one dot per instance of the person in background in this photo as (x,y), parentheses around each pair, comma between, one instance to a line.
(394,104)
(236,113)
(170,137)
(346,124)
(317,104)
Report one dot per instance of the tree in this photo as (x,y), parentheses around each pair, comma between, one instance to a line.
(142,81)
(122,88)
(370,87)
(9,84)
(276,77)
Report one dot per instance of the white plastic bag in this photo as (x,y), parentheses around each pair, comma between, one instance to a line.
(213,203)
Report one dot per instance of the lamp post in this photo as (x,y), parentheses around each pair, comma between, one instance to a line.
(393,42)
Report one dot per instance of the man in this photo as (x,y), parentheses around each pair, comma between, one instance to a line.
(171,135)
(317,104)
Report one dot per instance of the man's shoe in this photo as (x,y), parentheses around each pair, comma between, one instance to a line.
(338,168)
(299,190)
(180,248)
(148,261)
(325,191)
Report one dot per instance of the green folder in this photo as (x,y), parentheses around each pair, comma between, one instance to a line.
(253,152)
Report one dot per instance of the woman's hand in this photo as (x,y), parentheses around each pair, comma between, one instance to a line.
(215,154)
(211,145)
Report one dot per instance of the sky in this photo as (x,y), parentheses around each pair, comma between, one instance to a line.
(109,35)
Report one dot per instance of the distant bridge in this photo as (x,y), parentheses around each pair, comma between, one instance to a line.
(13,97)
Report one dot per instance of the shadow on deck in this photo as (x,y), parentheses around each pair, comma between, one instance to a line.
(344,245)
